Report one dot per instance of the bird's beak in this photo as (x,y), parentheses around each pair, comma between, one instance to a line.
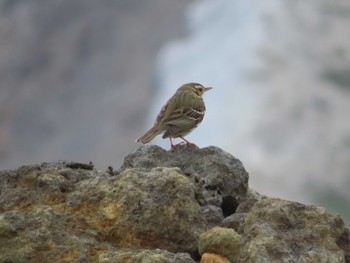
(206,89)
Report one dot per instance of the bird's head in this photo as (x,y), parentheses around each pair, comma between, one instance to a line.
(197,88)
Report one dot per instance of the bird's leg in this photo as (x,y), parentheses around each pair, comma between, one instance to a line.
(171,142)
(187,142)
(190,145)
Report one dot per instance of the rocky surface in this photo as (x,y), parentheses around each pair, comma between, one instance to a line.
(161,206)
(221,241)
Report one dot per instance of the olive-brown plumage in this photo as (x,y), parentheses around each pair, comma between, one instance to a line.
(183,112)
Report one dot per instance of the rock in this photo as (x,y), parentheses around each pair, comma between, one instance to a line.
(250,199)
(213,258)
(212,214)
(344,243)
(67,211)
(47,184)
(282,231)
(43,235)
(143,209)
(221,241)
(158,208)
(144,256)
(234,221)
(219,178)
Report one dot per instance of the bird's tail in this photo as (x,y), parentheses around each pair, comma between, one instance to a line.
(148,136)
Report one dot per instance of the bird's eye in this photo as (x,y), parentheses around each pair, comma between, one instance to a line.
(200,89)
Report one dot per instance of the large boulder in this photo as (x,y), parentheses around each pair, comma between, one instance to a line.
(161,206)
(276,230)
(219,179)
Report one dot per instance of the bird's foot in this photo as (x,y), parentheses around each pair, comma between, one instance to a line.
(183,146)
(191,146)
(175,147)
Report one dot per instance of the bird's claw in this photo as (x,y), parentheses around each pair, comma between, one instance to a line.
(183,146)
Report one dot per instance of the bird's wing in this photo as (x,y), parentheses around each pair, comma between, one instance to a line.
(183,121)
(164,113)
(183,116)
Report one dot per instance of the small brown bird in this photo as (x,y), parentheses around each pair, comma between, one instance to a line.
(183,112)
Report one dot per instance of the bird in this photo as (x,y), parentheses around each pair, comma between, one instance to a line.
(182,113)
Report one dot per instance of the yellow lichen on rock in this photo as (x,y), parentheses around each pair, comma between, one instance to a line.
(221,241)
(213,258)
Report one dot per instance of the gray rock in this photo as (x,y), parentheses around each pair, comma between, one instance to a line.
(145,256)
(47,184)
(282,231)
(250,199)
(219,178)
(155,209)
(234,221)
(41,234)
(212,214)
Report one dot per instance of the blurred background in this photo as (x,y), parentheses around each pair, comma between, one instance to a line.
(81,80)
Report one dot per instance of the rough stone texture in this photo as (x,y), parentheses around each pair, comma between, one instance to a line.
(282,231)
(154,209)
(144,256)
(221,241)
(250,199)
(235,222)
(136,207)
(218,178)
